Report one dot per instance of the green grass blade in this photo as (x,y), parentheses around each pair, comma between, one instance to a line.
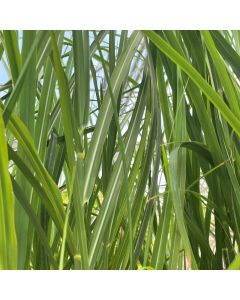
(8,241)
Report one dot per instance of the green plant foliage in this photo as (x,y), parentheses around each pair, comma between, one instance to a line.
(119,150)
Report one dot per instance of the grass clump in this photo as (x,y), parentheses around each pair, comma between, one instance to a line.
(119,150)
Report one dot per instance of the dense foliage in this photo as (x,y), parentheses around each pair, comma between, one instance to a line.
(119,150)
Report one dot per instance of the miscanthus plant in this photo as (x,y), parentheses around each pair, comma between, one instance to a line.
(119,150)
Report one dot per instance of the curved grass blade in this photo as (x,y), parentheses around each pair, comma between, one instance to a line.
(8,241)
(212,95)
